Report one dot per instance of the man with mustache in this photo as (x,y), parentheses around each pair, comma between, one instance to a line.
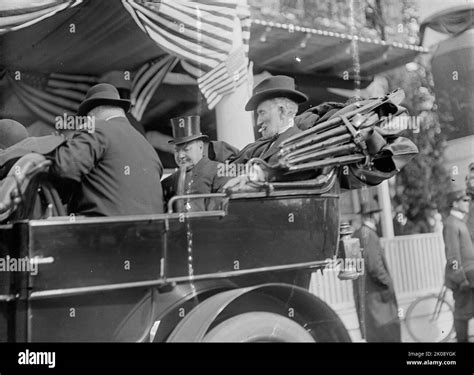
(197,174)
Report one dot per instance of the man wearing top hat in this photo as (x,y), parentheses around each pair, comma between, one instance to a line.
(114,170)
(378,316)
(459,272)
(197,174)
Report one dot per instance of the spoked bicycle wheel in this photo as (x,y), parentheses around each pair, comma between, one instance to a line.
(430,319)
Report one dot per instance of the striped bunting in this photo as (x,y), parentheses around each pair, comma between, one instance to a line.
(18,14)
(201,35)
(197,32)
(146,81)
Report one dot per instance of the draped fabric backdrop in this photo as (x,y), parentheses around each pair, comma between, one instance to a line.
(199,35)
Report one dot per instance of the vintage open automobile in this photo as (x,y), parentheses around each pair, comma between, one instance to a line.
(237,273)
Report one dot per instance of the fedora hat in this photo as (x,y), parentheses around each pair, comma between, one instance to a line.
(102,94)
(369,207)
(275,87)
(186,129)
(11,132)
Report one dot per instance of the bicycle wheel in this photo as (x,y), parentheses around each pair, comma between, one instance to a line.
(430,319)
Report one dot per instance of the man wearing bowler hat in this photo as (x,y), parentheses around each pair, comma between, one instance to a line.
(459,272)
(197,174)
(374,292)
(276,101)
(114,170)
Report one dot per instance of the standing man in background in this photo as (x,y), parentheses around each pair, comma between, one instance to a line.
(459,272)
(470,192)
(380,308)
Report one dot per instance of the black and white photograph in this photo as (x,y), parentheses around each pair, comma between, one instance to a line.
(236,171)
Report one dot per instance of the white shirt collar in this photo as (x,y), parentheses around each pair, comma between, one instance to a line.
(457,214)
(370,225)
(284,129)
(291,122)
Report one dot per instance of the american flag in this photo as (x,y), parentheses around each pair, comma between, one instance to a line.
(54,94)
(50,95)
(224,78)
(201,34)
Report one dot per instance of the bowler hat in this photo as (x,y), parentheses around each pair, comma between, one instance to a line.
(102,94)
(186,129)
(275,87)
(11,132)
(369,207)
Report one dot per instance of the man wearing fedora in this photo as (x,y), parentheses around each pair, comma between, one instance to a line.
(197,174)
(275,101)
(459,272)
(115,171)
(378,316)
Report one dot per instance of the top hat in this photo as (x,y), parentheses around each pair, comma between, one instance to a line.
(367,208)
(275,87)
(11,132)
(102,94)
(186,129)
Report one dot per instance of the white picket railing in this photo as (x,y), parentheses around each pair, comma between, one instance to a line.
(416,263)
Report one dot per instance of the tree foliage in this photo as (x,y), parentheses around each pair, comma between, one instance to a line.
(424,180)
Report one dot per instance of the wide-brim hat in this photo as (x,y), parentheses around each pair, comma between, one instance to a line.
(275,87)
(11,132)
(102,94)
(369,207)
(186,129)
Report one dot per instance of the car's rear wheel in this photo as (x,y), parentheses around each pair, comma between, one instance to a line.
(258,326)
(269,312)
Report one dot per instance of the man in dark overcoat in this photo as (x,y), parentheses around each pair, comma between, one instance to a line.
(470,192)
(378,316)
(459,272)
(114,169)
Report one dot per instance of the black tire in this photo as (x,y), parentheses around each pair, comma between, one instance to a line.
(423,326)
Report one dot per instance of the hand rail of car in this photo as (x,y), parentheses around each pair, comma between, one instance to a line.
(193,196)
